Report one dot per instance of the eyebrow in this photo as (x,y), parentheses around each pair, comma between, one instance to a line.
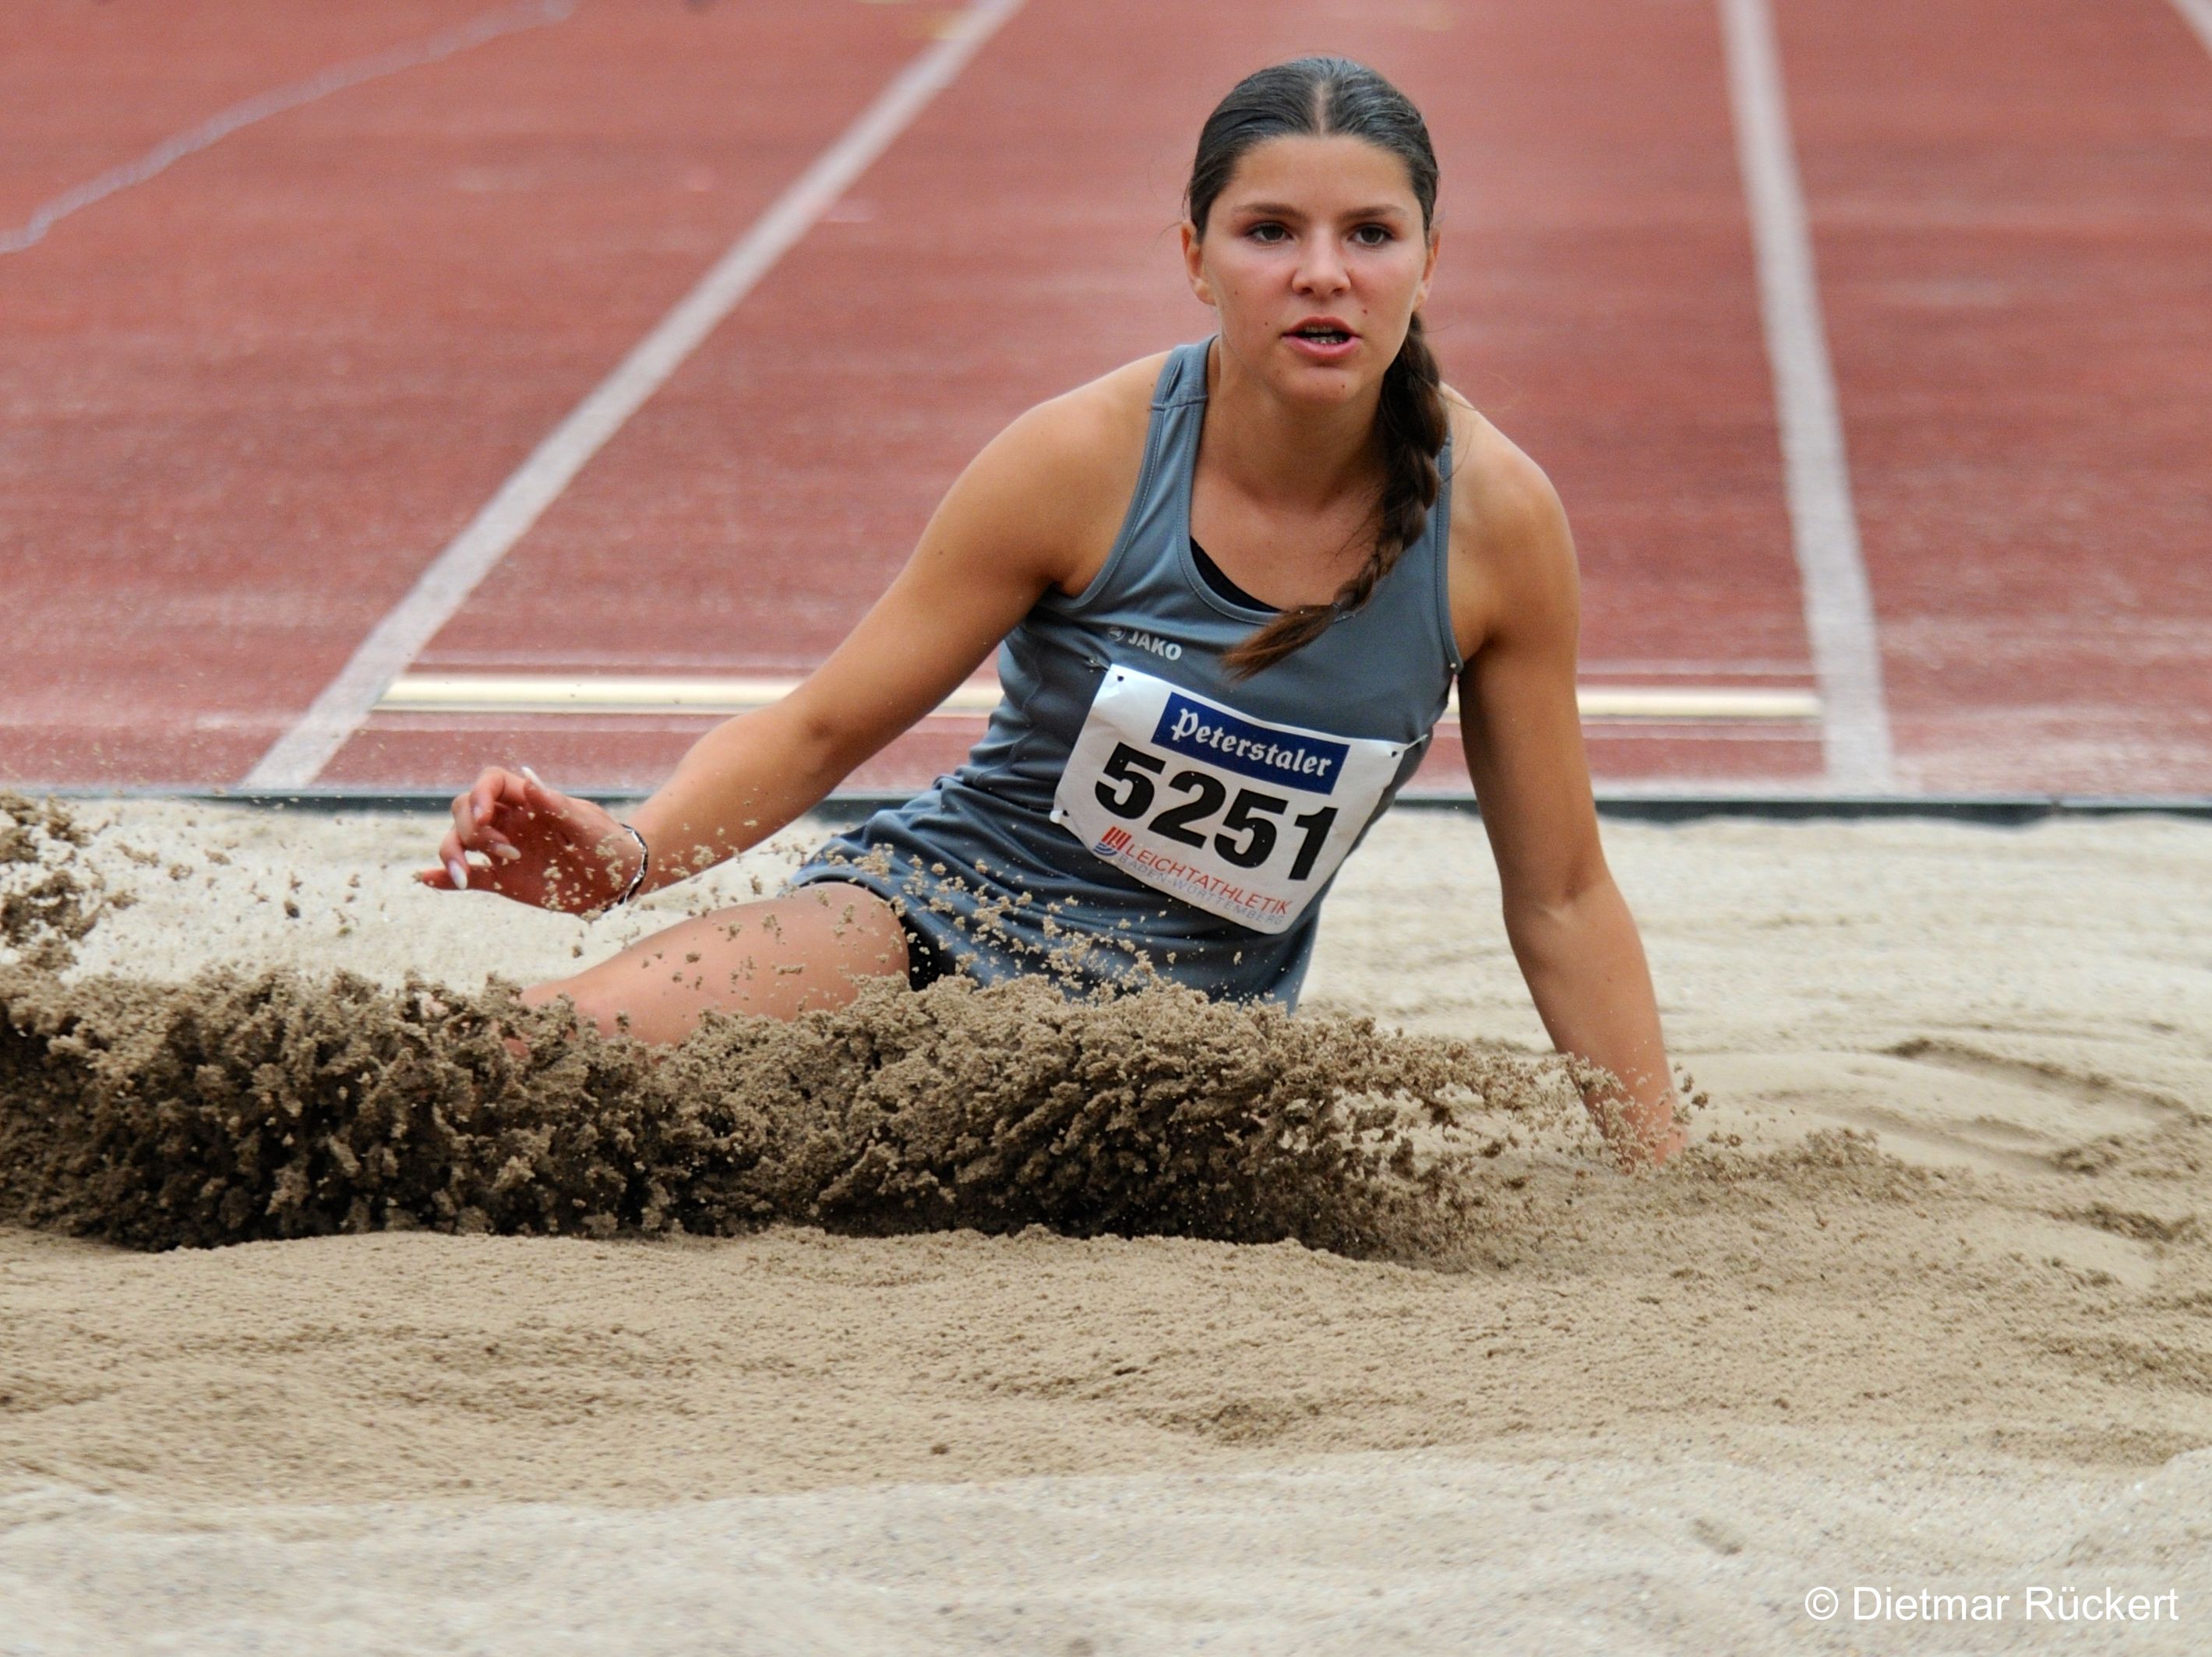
(1283,210)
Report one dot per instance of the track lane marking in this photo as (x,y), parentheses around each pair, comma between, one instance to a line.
(2197,13)
(298,757)
(659,694)
(1840,620)
(510,20)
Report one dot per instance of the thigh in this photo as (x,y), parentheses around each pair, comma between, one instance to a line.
(783,956)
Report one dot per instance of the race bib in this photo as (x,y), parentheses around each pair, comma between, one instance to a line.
(1243,820)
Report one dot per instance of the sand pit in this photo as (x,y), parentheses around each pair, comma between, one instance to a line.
(1929,1307)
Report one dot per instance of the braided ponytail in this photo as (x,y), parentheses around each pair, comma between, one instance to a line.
(1410,429)
(1320,97)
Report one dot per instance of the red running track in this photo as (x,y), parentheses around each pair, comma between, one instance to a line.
(252,398)
(2013,205)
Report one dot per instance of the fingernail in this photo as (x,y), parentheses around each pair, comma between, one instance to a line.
(533,776)
(507,853)
(459,871)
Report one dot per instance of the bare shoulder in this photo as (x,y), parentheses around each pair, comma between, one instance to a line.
(1060,477)
(1501,501)
(1082,428)
(1511,553)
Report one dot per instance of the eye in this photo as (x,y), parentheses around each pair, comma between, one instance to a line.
(1267,231)
(1372,235)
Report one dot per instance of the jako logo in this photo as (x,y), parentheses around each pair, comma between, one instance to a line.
(1168,649)
(1116,841)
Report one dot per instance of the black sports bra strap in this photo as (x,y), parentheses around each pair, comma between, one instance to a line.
(1215,577)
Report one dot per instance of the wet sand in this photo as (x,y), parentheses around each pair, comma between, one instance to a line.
(1928,1306)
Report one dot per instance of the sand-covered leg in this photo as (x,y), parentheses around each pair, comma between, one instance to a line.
(804,952)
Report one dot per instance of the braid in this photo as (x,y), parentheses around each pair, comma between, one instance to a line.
(1410,429)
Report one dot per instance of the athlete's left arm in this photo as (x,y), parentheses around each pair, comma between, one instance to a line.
(1516,610)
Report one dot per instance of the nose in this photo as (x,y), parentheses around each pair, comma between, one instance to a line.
(1321,267)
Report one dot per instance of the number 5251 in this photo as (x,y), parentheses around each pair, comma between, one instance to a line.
(1248,832)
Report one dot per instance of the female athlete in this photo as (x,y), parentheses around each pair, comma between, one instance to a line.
(1230,587)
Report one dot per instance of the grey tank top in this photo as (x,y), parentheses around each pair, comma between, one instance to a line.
(979,867)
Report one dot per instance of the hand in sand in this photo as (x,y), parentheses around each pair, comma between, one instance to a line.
(1656,1148)
(1642,1132)
(538,846)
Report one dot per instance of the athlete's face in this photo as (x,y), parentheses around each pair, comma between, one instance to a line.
(1315,255)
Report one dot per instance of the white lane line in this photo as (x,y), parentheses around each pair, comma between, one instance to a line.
(2197,13)
(1838,607)
(509,20)
(300,754)
(655,694)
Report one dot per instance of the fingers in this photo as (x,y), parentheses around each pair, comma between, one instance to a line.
(493,821)
(477,814)
(452,874)
(464,830)
(496,790)
(540,800)
(456,873)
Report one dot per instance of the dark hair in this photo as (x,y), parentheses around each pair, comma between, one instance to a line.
(1319,97)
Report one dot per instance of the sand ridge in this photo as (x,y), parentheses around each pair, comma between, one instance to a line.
(238,1106)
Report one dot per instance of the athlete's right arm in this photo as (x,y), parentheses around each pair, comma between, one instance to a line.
(1038,508)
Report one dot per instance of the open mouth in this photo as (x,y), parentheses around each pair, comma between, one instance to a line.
(1321,336)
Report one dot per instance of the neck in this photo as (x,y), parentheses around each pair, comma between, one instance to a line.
(1297,453)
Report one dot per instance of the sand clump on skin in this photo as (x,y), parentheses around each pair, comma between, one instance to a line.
(237,1107)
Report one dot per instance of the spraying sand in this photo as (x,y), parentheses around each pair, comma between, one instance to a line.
(1928,1306)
